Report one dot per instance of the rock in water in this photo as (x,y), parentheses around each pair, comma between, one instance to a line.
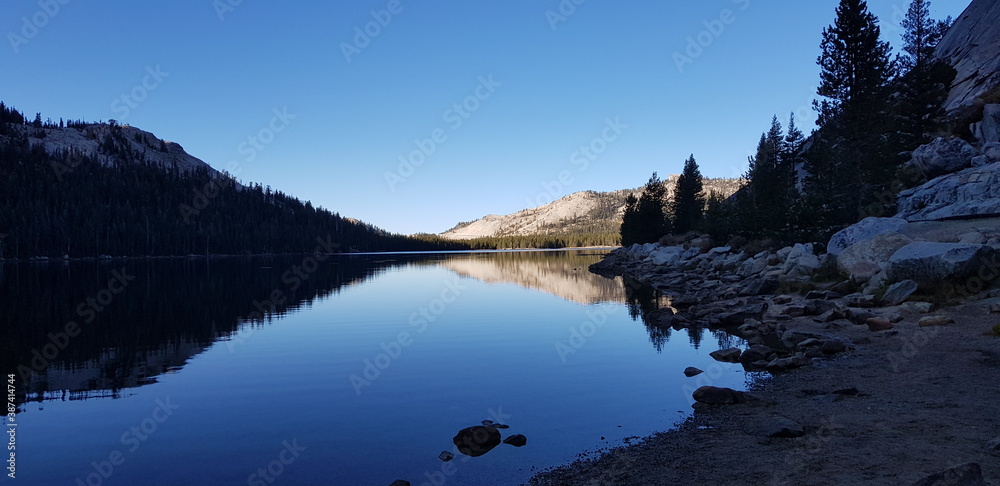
(718,396)
(898,292)
(446,456)
(692,371)
(516,440)
(970,474)
(400,482)
(477,440)
(731,355)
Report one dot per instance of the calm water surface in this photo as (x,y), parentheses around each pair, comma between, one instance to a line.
(359,370)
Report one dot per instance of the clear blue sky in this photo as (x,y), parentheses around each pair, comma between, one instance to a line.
(222,76)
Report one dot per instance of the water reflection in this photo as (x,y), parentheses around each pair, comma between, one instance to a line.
(98,329)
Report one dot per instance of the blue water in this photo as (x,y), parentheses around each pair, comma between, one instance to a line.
(451,340)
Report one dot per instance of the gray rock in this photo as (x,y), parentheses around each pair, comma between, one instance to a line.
(970,474)
(929,263)
(692,371)
(759,286)
(667,255)
(898,292)
(782,364)
(833,346)
(446,456)
(943,156)
(818,307)
(992,151)
(516,440)
(988,130)
(731,355)
(718,396)
(865,229)
(971,192)
(870,254)
(971,46)
(784,428)
(737,317)
(757,352)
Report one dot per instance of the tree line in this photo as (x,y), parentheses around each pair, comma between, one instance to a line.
(118,203)
(874,110)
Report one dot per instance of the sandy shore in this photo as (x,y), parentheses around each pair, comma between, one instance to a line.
(898,406)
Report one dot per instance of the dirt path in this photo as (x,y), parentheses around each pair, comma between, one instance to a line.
(928,399)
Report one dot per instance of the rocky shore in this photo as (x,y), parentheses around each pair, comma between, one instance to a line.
(894,379)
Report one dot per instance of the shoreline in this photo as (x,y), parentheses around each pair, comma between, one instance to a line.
(900,403)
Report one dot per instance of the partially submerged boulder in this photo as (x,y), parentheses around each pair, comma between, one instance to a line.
(477,440)
(713,395)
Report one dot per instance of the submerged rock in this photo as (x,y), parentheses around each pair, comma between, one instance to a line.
(692,371)
(731,355)
(516,440)
(477,440)
(713,395)
(446,456)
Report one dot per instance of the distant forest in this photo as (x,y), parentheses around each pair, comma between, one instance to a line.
(69,203)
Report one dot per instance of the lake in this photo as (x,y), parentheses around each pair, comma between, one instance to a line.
(343,370)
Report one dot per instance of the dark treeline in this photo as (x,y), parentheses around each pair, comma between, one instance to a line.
(874,111)
(118,203)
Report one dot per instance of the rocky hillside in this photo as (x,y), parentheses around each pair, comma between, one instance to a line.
(581,212)
(971,47)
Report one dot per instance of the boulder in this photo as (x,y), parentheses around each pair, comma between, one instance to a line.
(865,229)
(759,286)
(713,395)
(973,192)
(898,292)
(970,474)
(928,321)
(992,152)
(876,324)
(757,352)
(833,346)
(988,130)
(667,255)
(801,261)
(477,440)
(736,317)
(782,364)
(731,355)
(873,253)
(516,440)
(930,263)
(942,156)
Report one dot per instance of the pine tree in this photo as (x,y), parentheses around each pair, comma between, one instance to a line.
(688,205)
(652,221)
(924,82)
(630,221)
(851,164)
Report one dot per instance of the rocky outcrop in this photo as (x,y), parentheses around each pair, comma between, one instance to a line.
(864,230)
(972,192)
(585,211)
(942,156)
(930,263)
(988,130)
(868,257)
(971,47)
